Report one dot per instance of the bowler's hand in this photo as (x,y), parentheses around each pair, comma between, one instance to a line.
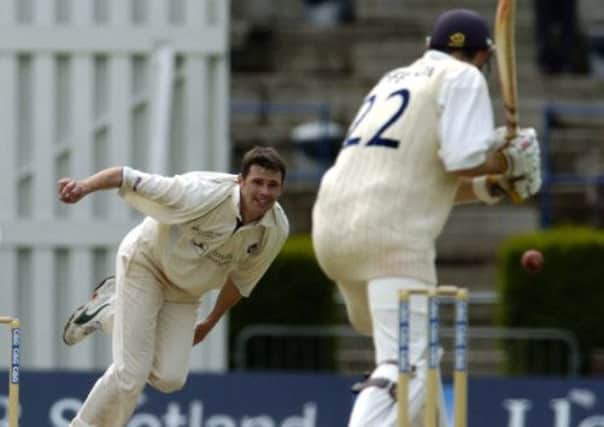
(201,330)
(70,190)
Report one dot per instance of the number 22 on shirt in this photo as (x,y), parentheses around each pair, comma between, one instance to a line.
(401,97)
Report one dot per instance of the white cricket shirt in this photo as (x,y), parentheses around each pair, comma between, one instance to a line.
(190,238)
(384,202)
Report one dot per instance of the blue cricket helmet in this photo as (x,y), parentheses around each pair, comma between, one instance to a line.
(460,29)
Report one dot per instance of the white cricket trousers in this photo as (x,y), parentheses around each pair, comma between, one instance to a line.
(374,407)
(152,341)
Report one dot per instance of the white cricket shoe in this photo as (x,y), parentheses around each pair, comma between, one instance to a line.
(91,316)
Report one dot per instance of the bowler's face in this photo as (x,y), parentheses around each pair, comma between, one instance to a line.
(260,189)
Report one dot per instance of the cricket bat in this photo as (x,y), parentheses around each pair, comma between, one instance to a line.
(505,23)
(505,50)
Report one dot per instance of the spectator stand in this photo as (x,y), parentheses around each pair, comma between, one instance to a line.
(311,145)
(572,141)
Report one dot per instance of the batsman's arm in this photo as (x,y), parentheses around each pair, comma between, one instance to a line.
(72,190)
(514,159)
(495,163)
(471,188)
(465,192)
(229,296)
(488,189)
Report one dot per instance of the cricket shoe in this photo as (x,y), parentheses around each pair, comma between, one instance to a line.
(93,315)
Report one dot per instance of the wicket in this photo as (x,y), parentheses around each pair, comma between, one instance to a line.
(13,373)
(460,379)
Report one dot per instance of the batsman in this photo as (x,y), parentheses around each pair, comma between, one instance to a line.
(423,141)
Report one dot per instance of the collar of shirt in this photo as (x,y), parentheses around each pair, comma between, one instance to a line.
(267,220)
(436,55)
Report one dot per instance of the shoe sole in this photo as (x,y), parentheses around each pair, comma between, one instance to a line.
(77,312)
(92,326)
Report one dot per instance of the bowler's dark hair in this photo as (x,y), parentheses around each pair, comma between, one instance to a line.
(265,157)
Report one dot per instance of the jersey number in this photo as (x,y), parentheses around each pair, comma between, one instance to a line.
(377,139)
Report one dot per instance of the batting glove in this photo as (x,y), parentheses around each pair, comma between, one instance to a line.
(528,185)
(499,138)
(522,155)
(491,188)
(486,188)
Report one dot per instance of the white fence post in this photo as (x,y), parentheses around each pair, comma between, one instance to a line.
(77,93)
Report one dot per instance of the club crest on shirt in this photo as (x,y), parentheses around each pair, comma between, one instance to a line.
(253,249)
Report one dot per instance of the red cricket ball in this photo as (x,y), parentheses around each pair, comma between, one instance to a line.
(532,260)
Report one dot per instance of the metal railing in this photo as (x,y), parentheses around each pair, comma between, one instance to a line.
(269,346)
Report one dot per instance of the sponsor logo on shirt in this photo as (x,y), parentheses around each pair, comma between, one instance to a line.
(206,234)
(201,247)
(220,259)
(137,182)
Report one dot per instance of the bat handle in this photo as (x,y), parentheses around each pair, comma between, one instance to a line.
(515,197)
(511,131)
